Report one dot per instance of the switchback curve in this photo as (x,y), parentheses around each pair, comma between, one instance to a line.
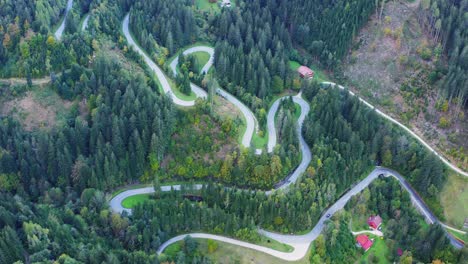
(299,243)
(389,118)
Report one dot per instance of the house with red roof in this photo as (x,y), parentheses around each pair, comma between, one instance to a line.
(374,221)
(305,72)
(364,242)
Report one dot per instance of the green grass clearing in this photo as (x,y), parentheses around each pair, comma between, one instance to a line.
(133,200)
(195,44)
(202,58)
(228,253)
(460,236)
(294,65)
(454,200)
(379,249)
(271,243)
(206,6)
(319,75)
(258,141)
(130,187)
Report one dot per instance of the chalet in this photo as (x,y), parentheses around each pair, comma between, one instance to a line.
(374,221)
(364,242)
(226,3)
(305,72)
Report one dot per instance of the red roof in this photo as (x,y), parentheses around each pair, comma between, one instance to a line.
(364,241)
(305,71)
(374,221)
(400,252)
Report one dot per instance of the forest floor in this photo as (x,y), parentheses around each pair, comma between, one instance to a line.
(41,107)
(392,64)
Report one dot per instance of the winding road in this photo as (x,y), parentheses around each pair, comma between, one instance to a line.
(300,243)
(159,73)
(61,28)
(85,22)
(250,120)
(424,143)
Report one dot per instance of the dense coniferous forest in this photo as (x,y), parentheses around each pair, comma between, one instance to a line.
(192,149)
(445,21)
(163,27)
(359,139)
(31,20)
(121,130)
(403,229)
(252,52)
(128,123)
(403,226)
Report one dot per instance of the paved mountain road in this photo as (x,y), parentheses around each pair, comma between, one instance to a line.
(159,73)
(58,33)
(300,243)
(85,23)
(250,120)
(424,143)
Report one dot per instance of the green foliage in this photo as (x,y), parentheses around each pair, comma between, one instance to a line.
(112,141)
(403,226)
(171,22)
(445,21)
(360,137)
(444,122)
(9,182)
(212,246)
(248,234)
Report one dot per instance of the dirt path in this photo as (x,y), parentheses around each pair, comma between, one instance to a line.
(23,81)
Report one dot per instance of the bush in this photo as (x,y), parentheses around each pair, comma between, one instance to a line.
(424,52)
(212,246)
(444,122)
(387,32)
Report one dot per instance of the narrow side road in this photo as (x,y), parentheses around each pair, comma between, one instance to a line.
(250,120)
(84,26)
(424,143)
(300,243)
(61,28)
(159,73)
(373,232)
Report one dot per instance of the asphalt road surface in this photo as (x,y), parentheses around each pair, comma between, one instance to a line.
(61,28)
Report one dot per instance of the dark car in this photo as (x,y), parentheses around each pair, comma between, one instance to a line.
(328,215)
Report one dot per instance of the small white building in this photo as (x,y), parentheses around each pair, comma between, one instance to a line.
(226,3)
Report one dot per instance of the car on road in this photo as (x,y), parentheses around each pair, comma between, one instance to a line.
(327,216)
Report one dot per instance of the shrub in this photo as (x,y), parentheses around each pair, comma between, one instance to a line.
(444,122)
(387,19)
(387,32)
(424,52)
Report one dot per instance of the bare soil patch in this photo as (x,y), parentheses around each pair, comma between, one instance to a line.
(392,65)
(33,112)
